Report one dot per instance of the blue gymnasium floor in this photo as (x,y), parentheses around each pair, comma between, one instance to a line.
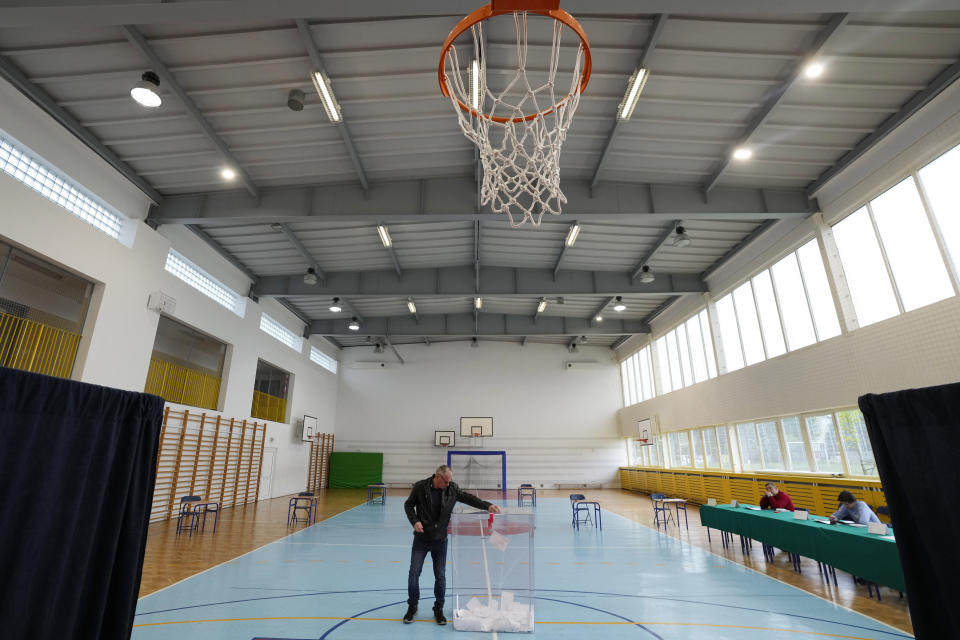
(345,578)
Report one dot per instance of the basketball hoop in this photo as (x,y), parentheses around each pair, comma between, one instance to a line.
(643,442)
(519,130)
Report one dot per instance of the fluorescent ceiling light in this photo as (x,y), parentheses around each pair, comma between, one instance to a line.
(330,105)
(227,173)
(599,318)
(475,84)
(742,153)
(478,302)
(542,305)
(335,307)
(147,91)
(572,234)
(630,98)
(384,236)
(354,325)
(411,306)
(813,70)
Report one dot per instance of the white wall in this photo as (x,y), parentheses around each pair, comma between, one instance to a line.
(119,333)
(556,425)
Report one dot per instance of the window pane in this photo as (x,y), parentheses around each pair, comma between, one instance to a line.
(646,378)
(823,441)
(708,344)
(769,316)
(697,448)
(749,447)
(856,443)
(631,384)
(793,303)
(635,365)
(684,355)
(625,384)
(863,267)
(770,445)
(724,447)
(675,376)
(818,289)
(729,336)
(653,453)
(911,248)
(796,450)
(663,366)
(749,326)
(697,354)
(679,449)
(939,179)
(711,453)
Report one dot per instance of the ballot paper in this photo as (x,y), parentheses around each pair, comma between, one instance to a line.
(499,540)
(754,508)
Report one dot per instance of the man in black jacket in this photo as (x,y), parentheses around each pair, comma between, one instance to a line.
(428,509)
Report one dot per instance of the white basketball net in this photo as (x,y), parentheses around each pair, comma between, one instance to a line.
(520,158)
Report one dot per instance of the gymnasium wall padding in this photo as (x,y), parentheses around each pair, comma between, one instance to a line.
(355,470)
(77,466)
(915,436)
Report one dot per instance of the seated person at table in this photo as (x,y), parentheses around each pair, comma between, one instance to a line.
(773,498)
(853,509)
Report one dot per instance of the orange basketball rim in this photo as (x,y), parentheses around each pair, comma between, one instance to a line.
(548,8)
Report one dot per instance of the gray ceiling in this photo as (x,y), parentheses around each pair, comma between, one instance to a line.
(718,78)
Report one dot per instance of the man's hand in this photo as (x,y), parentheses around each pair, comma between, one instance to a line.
(418,527)
(833,520)
(494,508)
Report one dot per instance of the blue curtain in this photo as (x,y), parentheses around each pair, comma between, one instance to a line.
(77,465)
(916,439)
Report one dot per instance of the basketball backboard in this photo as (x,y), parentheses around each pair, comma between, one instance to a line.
(444,438)
(476,427)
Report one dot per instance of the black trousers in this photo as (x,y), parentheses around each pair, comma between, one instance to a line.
(438,554)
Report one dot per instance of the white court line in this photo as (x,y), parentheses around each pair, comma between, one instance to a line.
(289,535)
(760,573)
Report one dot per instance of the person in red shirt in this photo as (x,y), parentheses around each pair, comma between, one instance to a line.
(773,498)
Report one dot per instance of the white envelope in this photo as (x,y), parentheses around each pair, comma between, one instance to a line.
(878,528)
(801,515)
(711,502)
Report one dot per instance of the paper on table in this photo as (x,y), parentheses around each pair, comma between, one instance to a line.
(846,521)
(888,537)
(754,508)
(821,521)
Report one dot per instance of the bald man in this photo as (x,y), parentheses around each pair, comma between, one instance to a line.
(428,509)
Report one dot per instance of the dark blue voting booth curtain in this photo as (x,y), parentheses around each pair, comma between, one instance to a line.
(916,441)
(77,465)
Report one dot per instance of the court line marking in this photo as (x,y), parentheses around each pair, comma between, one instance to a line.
(757,571)
(289,535)
(556,622)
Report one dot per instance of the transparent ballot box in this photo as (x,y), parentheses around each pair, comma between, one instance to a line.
(492,569)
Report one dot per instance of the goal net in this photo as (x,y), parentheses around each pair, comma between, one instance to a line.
(479,471)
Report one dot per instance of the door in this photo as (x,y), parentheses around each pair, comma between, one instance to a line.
(266,475)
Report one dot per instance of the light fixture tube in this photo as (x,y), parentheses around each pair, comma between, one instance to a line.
(384,236)
(478,302)
(637,81)
(411,306)
(475,85)
(330,104)
(572,234)
(542,305)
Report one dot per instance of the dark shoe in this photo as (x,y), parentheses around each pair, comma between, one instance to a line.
(438,614)
(408,616)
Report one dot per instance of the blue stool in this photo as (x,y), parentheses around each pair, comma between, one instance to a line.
(581,506)
(187,512)
(377,493)
(526,491)
(298,504)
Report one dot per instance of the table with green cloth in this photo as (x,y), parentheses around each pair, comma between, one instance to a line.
(866,555)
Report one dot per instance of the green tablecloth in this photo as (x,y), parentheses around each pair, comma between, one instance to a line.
(844,547)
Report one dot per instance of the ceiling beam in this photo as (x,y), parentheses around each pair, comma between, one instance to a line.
(776,95)
(601,309)
(655,30)
(441,200)
(620,341)
(289,306)
(494,281)
(657,245)
(301,248)
(656,313)
(462,325)
(394,349)
(564,247)
(223,253)
(306,35)
(84,13)
(160,68)
(946,78)
(12,74)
